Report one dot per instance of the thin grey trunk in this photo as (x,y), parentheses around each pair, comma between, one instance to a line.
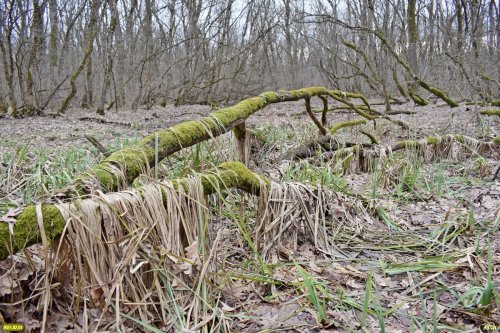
(412,36)
(8,65)
(54,34)
(120,67)
(108,62)
(88,96)
(36,44)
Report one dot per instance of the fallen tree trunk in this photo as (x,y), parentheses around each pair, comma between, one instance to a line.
(309,148)
(24,225)
(359,106)
(123,166)
(435,140)
(494,102)
(329,144)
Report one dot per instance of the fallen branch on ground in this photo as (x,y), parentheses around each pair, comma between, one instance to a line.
(24,221)
(329,144)
(104,121)
(98,145)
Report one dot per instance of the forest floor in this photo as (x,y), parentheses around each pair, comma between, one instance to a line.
(429,266)
(67,131)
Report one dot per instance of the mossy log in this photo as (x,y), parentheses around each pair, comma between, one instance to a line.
(490,112)
(418,99)
(349,123)
(396,112)
(123,166)
(371,136)
(434,140)
(26,231)
(438,93)
(329,144)
(494,102)
(309,148)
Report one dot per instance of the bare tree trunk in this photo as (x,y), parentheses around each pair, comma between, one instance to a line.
(460,24)
(36,41)
(120,68)
(88,96)
(108,63)
(412,36)
(88,53)
(8,58)
(129,31)
(289,47)
(54,34)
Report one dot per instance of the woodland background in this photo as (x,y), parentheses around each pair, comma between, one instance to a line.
(103,53)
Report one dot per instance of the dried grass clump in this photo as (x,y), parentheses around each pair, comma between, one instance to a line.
(291,214)
(430,149)
(139,252)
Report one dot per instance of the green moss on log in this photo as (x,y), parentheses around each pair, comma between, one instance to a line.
(459,138)
(418,99)
(490,112)
(495,102)
(348,123)
(245,175)
(228,175)
(432,140)
(439,93)
(26,231)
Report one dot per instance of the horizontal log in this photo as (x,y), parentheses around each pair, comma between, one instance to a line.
(25,227)
(329,144)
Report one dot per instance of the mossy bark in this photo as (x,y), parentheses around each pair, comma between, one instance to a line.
(398,84)
(432,140)
(132,160)
(26,231)
(491,112)
(372,137)
(324,121)
(328,143)
(349,123)
(418,99)
(308,149)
